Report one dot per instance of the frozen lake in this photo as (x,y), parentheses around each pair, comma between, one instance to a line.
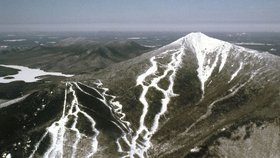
(27,74)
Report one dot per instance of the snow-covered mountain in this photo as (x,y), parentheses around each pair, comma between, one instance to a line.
(191,98)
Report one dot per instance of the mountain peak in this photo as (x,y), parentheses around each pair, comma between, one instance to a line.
(199,41)
(196,35)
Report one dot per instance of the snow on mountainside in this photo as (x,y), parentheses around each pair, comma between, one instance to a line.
(211,72)
(176,101)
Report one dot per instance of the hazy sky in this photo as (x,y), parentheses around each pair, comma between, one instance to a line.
(140,15)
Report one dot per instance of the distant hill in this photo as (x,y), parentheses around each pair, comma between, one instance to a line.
(74,55)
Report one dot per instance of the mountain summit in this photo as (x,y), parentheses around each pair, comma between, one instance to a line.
(196,97)
(199,41)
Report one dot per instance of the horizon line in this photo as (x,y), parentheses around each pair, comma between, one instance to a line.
(139,28)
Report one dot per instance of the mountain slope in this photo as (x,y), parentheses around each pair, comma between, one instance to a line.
(190,98)
(215,79)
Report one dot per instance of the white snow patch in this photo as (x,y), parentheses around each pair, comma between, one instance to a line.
(15,40)
(51,42)
(253,44)
(136,38)
(206,48)
(114,105)
(58,129)
(10,102)
(236,72)
(7,155)
(3,47)
(195,149)
(149,46)
(273,50)
(27,74)
(140,143)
